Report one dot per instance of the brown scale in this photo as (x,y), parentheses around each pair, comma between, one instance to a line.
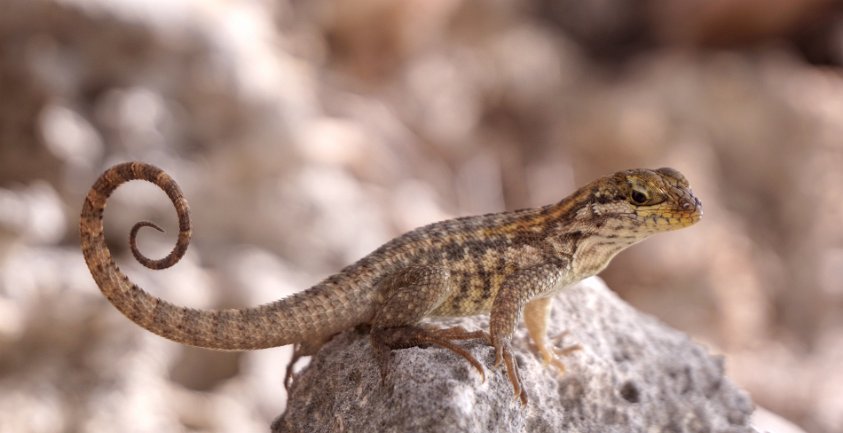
(498,264)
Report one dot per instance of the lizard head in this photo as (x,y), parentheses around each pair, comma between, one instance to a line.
(646,201)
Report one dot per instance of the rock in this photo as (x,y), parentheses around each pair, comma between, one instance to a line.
(633,374)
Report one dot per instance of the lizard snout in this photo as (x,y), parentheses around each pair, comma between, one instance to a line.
(690,204)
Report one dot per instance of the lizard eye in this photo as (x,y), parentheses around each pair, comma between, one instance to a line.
(638,197)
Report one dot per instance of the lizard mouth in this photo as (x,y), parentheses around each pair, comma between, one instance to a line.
(693,206)
(686,211)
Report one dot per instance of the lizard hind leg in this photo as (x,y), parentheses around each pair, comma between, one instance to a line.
(403,337)
(406,297)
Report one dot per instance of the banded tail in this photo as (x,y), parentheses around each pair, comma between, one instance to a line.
(302,317)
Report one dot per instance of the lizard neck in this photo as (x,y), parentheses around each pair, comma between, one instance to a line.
(589,238)
(594,252)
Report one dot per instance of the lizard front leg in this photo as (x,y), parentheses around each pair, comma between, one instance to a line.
(536,316)
(517,290)
(407,296)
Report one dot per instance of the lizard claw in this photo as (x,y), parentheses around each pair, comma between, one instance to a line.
(565,351)
(559,348)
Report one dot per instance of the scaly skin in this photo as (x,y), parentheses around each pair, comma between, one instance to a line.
(499,264)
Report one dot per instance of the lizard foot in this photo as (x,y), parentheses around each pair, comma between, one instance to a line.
(550,354)
(561,350)
(298,353)
(503,353)
(301,350)
(384,339)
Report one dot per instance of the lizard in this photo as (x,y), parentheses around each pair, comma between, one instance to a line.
(502,264)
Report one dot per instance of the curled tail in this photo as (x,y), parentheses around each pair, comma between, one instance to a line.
(304,316)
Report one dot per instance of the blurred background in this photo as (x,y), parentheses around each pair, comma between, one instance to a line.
(307,133)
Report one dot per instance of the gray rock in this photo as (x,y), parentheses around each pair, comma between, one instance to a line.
(633,374)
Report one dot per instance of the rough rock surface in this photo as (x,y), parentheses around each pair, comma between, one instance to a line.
(633,374)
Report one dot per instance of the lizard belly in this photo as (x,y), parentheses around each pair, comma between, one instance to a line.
(560,286)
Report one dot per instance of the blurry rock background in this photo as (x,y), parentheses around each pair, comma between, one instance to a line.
(306,133)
